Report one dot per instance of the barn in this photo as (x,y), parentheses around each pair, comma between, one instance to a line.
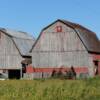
(14,52)
(63,44)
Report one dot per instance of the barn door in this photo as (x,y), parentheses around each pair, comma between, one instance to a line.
(14,74)
(23,69)
(99,67)
(96,67)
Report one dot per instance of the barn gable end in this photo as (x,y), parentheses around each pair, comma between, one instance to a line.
(9,55)
(60,40)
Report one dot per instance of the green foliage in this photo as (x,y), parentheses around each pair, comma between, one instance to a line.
(66,75)
(50,89)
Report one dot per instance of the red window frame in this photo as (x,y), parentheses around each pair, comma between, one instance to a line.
(59,28)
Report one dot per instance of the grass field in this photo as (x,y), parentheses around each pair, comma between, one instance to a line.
(50,89)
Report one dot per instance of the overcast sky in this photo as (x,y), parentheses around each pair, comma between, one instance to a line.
(32,15)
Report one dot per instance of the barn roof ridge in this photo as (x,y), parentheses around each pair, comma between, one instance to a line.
(88,38)
(17,34)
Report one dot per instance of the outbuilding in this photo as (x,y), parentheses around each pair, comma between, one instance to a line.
(14,52)
(63,44)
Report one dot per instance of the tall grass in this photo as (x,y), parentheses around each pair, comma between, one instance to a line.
(50,89)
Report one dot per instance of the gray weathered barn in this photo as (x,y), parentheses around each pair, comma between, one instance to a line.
(63,44)
(14,52)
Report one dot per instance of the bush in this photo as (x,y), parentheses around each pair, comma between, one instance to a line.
(56,74)
(84,75)
(61,75)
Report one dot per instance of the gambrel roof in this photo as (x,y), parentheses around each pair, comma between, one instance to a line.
(88,38)
(22,40)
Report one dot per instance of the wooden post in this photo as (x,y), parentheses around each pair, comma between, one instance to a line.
(21,73)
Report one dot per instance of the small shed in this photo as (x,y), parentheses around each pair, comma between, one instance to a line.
(14,48)
(63,44)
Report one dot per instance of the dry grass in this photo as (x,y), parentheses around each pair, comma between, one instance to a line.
(50,89)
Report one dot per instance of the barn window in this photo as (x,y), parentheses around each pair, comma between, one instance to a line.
(59,29)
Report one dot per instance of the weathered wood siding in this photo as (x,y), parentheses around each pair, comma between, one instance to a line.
(9,54)
(56,49)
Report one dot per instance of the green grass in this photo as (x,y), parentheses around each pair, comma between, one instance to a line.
(50,89)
